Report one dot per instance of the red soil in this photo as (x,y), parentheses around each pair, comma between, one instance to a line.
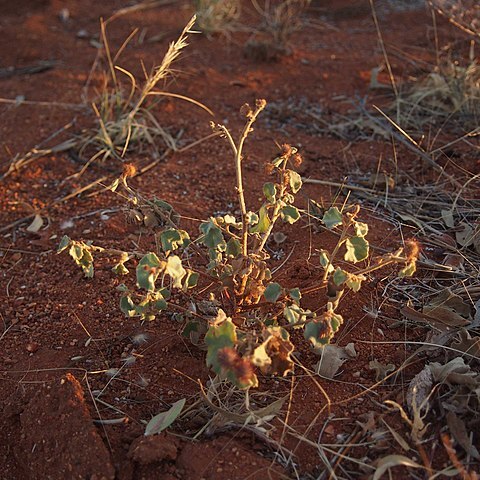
(63,333)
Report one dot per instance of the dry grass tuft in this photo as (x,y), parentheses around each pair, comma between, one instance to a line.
(217,16)
(450,92)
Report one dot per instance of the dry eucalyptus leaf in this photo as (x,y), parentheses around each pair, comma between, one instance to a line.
(449,309)
(36,224)
(459,432)
(164,419)
(332,358)
(449,318)
(381,370)
(412,220)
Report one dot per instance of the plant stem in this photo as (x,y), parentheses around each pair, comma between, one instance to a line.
(237,151)
(276,210)
(238,168)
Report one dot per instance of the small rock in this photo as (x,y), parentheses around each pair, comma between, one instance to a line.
(32,347)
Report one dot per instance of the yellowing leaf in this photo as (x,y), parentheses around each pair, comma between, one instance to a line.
(332,217)
(357,249)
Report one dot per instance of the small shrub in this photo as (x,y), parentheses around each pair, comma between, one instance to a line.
(245,320)
(451,91)
(280,20)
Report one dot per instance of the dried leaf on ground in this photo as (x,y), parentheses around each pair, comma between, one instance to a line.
(36,224)
(454,372)
(332,358)
(459,431)
(465,235)
(468,344)
(385,463)
(381,370)
(450,319)
(446,302)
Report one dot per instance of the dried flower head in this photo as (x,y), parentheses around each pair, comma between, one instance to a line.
(246,110)
(269,168)
(412,249)
(286,150)
(297,160)
(129,170)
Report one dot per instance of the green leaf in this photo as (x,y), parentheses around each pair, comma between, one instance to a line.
(295,295)
(272,292)
(234,248)
(340,276)
(357,249)
(295,181)
(335,321)
(163,420)
(270,192)
(64,243)
(175,269)
(292,314)
(252,218)
(315,333)
(163,205)
(82,257)
(164,292)
(189,328)
(127,306)
(321,330)
(332,217)
(263,222)
(325,261)
(120,269)
(158,303)
(289,214)
(148,269)
(172,239)
(361,229)
(212,235)
(191,280)
(295,314)
(354,282)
